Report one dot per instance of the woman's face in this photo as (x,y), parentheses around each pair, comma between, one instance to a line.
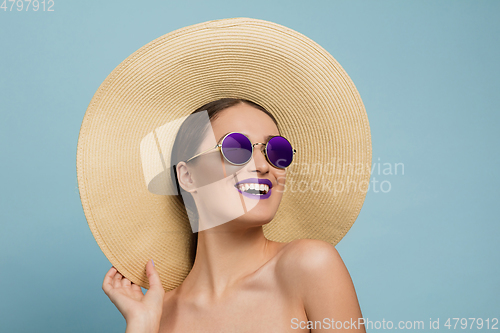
(218,185)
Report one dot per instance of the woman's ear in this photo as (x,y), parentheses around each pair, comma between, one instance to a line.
(185,178)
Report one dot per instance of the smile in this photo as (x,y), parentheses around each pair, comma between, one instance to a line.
(255,188)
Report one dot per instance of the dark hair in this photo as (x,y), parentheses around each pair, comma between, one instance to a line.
(189,137)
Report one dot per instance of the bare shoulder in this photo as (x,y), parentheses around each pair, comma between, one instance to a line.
(313,272)
(305,261)
(305,254)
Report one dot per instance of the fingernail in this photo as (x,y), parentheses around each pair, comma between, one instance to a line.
(153,262)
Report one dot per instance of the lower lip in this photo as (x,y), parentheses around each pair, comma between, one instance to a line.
(255,196)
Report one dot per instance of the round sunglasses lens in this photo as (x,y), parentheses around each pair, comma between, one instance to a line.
(279,152)
(237,148)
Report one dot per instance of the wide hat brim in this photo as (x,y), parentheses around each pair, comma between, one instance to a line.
(314,101)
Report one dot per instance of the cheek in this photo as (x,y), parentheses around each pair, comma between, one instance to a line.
(232,169)
(209,169)
(280,180)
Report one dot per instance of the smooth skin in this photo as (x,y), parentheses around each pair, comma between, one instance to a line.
(241,281)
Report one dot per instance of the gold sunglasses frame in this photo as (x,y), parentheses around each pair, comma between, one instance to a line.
(219,147)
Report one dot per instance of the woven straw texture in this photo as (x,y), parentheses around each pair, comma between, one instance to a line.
(315,102)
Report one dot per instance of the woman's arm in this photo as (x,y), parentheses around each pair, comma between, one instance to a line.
(320,279)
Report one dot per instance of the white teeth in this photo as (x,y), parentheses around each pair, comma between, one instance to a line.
(253,186)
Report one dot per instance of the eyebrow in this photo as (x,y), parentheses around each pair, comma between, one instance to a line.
(267,137)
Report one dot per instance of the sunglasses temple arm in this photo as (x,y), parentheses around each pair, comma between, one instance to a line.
(206,151)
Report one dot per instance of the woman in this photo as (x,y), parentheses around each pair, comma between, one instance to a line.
(264,259)
(241,281)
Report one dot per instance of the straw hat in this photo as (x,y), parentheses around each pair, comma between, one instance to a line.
(313,99)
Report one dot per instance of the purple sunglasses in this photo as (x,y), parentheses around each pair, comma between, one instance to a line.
(237,149)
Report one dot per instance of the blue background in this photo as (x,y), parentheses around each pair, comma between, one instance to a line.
(428,73)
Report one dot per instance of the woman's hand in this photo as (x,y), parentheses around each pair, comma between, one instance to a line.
(140,311)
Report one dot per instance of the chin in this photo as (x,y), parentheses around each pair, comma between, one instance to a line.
(258,217)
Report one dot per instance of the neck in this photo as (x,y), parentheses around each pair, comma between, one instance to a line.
(224,257)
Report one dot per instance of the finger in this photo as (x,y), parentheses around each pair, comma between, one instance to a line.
(108,278)
(154,280)
(135,287)
(125,282)
(117,280)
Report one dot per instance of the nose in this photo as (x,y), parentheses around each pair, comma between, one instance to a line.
(259,159)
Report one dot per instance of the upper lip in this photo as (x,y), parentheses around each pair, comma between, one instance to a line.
(255,181)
